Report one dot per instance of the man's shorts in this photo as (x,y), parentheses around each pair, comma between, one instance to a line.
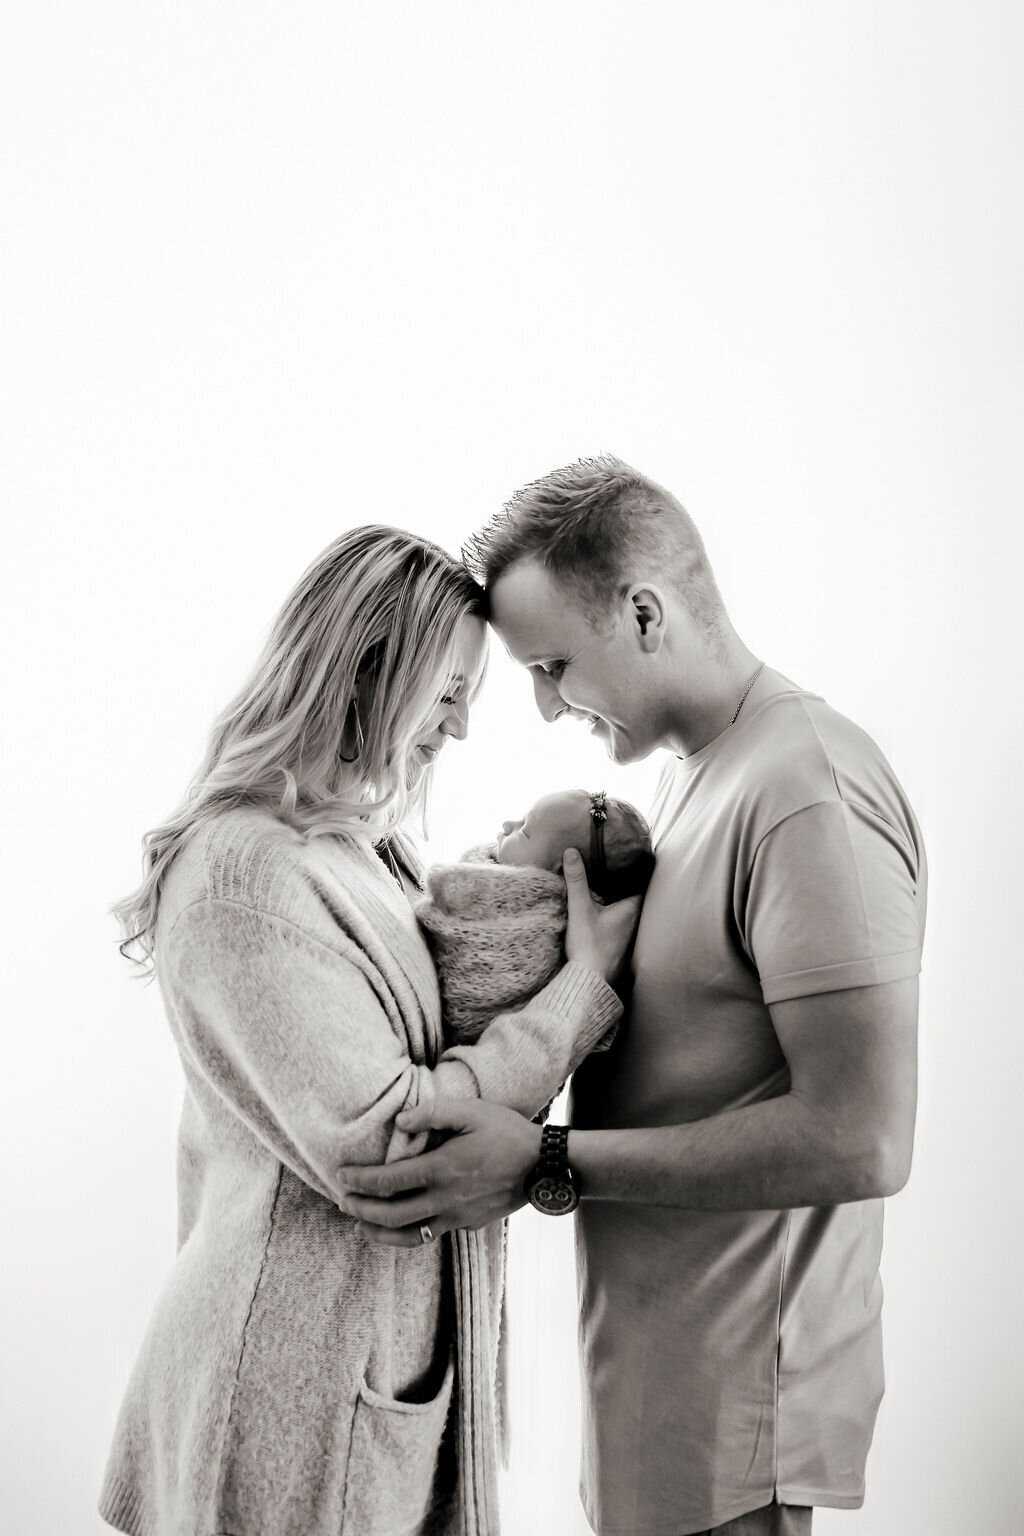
(772,1520)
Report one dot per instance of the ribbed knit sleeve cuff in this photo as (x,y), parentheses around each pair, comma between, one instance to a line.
(124,1507)
(524,1055)
(584,998)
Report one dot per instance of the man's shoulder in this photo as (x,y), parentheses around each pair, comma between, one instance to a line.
(802,753)
(793,751)
(799,737)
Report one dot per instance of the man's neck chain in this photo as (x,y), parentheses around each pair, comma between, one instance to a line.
(743,696)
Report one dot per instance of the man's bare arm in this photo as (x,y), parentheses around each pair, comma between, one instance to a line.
(843,1132)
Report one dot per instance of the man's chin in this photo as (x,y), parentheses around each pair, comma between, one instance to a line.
(615,746)
(619,748)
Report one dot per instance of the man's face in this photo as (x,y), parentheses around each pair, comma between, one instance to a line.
(595,675)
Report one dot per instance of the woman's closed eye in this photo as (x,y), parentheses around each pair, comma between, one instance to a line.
(553,669)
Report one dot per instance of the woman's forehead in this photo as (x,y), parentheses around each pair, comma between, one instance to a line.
(471,644)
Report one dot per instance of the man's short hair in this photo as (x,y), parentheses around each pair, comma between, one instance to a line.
(596,526)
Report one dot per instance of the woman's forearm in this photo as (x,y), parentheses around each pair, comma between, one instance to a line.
(523,1056)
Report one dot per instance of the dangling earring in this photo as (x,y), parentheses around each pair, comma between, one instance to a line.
(353,714)
(367,668)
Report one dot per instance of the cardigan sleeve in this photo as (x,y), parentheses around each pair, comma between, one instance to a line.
(304,1045)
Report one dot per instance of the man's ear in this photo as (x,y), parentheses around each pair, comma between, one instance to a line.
(648,615)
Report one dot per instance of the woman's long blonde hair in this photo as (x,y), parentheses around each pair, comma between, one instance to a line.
(323,733)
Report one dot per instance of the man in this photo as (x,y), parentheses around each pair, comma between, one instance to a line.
(732,1150)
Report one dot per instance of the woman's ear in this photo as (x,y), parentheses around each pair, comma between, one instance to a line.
(648,614)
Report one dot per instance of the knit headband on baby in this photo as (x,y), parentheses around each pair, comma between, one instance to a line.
(598,817)
(630,881)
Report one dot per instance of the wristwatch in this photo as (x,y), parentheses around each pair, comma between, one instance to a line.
(548,1185)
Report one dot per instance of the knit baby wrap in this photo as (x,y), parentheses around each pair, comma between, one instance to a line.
(497,935)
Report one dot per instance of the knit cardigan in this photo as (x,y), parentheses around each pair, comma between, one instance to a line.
(298,1379)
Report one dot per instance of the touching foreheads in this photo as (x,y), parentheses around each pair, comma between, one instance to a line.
(599,526)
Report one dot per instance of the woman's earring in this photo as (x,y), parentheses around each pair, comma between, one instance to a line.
(352,718)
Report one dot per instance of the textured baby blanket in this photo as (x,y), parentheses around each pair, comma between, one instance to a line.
(497,934)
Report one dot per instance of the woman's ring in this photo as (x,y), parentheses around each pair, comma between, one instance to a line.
(426,1236)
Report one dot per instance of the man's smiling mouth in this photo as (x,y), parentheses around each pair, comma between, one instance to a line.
(581,715)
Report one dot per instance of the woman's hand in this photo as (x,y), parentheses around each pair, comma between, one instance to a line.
(596,936)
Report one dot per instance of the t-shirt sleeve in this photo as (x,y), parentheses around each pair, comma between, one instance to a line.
(833,901)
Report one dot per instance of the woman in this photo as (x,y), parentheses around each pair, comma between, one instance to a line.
(297,1378)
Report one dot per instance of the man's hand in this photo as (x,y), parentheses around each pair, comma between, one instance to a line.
(472,1179)
(596,936)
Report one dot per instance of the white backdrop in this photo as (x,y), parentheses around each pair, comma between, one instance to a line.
(273,270)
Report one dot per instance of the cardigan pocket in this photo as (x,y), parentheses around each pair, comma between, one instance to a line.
(393,1474)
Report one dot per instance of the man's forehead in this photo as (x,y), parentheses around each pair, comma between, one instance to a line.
(533,615)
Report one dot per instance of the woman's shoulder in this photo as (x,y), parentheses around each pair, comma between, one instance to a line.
(249,857)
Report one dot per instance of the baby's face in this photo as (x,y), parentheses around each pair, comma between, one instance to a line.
(555,823)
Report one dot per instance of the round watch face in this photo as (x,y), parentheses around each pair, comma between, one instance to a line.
(555,1197)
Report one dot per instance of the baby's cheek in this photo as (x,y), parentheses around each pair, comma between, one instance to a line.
(520,853)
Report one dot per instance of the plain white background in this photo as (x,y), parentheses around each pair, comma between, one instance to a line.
(270,271)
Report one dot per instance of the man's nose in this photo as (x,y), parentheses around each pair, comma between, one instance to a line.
(549,700)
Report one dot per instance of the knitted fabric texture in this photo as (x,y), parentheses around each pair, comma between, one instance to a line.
(497,935)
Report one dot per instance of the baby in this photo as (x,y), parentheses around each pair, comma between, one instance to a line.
(495,922)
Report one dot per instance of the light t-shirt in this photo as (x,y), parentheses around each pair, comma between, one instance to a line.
(730,1358)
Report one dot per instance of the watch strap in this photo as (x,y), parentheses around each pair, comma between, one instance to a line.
(553,1162)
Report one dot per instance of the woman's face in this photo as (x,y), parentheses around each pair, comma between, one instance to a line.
(451,717)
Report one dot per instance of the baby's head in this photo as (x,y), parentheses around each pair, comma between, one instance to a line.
(612,836)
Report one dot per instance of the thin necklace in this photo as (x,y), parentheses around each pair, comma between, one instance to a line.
(743,696)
